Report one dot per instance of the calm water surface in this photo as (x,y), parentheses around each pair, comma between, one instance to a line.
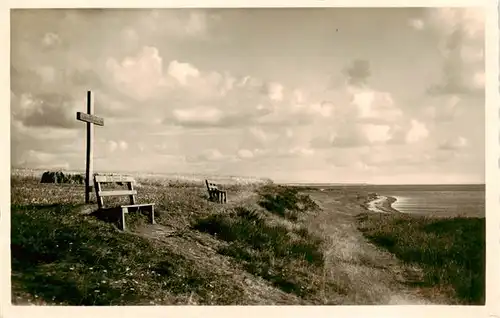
(445,200)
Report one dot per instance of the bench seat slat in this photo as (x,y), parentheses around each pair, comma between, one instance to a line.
(117,193)
(136,205)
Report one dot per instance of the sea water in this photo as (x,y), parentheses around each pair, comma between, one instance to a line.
(436,200)
(445,200)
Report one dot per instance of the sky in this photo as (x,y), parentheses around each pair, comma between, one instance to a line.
(323,95)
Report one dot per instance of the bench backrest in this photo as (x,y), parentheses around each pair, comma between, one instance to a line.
(99,180)
(211,186)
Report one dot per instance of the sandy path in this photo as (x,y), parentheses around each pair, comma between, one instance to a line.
(368,274)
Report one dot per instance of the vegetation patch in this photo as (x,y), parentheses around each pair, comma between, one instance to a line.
(450,251)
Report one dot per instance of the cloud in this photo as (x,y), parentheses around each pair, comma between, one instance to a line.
(139,76)
(461,35)
(44,110)
(454,143)
(51,40)
(182,71)
(112,145)
(117,145)
(199,116)
(196,24)
(446,110)
(208,155)
(301,151)
(375,105)
(358,72)
(259,134)
(417,132)
(274,91)
(417,24)
(377,133)
(245,154)
(123,145)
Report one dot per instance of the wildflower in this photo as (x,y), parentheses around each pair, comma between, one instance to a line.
(104,282)
(71,268)
(91,268)
(96,291)
(127,268)
(105,271)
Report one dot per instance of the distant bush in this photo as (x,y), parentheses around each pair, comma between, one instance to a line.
(61,177)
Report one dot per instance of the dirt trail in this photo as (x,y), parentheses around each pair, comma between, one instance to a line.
(368,274)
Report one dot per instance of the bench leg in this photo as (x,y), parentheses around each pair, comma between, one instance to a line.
(153,214)
(225,197)
(123,225)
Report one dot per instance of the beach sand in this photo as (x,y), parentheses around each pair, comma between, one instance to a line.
(382,204)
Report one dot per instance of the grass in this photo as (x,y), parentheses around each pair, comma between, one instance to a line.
(61,256)
(451,251)
(267,245)
(63,259)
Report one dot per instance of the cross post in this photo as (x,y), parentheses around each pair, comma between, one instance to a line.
(91,120)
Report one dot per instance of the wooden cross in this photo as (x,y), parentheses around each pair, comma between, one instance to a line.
(91,120)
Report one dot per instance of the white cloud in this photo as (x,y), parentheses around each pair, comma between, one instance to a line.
(196,24)
(123,145)
(417,24)
(51,39)
(301,151)
(375,105)
(377,133)
(454,143)
(198,115)
(112,145)
(417,132)
(139,76)
(445,110)
(47,73)
(182,71)
(259,134)
(212,155)
(275,91)
(461,40)
(245,154)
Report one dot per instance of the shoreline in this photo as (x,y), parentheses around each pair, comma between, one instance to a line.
(382,204)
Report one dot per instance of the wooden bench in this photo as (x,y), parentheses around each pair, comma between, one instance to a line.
(216,194)
(99,180)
